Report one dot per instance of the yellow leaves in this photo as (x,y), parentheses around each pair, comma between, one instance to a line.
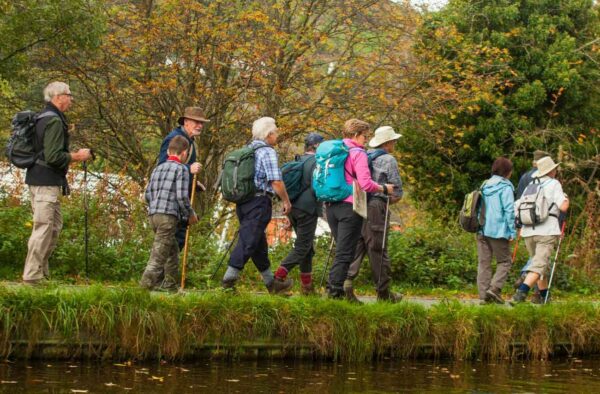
(161,379)
(581,138)
(430,122)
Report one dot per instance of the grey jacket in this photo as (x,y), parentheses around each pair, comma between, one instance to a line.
(385,170)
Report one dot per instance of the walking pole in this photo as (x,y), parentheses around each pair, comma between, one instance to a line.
(562,234)
(223,257)
(187,235)
(514,256)
(85,221)
(327,261)
(387,210)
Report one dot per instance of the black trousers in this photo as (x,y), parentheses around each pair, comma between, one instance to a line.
(345,226)
(304,225)
(254,216)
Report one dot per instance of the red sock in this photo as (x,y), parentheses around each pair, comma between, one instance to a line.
(281,273)
(306,278)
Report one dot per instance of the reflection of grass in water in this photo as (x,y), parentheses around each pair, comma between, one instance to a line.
(131,323)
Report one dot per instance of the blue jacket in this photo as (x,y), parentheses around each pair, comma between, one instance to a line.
(162,156)
(498,195)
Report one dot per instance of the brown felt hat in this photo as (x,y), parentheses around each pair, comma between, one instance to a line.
(538,154)
(194,113)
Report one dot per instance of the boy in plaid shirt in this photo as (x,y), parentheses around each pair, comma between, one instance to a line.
(168,204)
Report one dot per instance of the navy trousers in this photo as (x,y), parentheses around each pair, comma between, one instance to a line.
(254,216)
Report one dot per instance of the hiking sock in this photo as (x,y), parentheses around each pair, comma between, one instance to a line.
(281,273)
(306,278)
(232,273)
(268,277)
(543,293)
(524,288)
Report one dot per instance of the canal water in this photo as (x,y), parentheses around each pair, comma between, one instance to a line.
(558,376)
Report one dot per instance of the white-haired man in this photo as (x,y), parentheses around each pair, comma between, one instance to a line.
(255,214)
(47,179)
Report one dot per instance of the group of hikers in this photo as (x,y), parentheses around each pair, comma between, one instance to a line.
(352,186)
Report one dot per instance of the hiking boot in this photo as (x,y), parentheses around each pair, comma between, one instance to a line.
(536,298)
(228,284)
(389,296)
(335,294)
(519,281)
(307,289)
(350,296)
(492,296)
(518,298)
(280,286)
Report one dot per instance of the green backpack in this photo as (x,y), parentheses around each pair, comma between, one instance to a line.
(237,177)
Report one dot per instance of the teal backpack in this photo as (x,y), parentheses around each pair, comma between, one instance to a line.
(329,182)
(293,177)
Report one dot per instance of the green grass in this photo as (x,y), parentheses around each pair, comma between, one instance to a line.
(128,323)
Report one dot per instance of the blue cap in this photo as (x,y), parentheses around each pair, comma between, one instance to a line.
(313,139)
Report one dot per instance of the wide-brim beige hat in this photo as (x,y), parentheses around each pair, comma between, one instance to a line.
(545,165)
(194,113)
(383,135)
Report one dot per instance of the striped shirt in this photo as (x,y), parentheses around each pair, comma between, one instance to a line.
(167,191)
(266,168)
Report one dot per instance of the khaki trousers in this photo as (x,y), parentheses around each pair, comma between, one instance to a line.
(540,248)
(47,223)
(164,257)
(486,249)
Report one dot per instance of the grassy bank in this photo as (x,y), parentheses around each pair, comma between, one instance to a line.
(132,324)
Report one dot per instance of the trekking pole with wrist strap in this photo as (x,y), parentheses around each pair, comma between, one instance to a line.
(562,234)
(187,235)
(223,257)
(385,224)
(327,261)
(85,221)
(514,255)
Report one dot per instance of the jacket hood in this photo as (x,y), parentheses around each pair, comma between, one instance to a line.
(495,184)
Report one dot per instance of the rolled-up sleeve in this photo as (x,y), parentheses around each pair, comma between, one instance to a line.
(182,181)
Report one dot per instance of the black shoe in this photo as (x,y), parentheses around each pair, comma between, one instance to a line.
(518,298)
(492,296)
(336,294)
(280,286)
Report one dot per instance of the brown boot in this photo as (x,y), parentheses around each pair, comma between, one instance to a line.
(349,292)
(280,286)
(307,289)
(387,295)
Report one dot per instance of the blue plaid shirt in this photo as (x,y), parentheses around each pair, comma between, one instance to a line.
(266,168)
(167,191)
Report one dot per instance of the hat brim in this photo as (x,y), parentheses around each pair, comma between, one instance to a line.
(375,142)
(199,119)
(539,174)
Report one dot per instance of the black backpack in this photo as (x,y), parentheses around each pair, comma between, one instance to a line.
(21,148)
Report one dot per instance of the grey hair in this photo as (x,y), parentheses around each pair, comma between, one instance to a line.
(54,89)
(262,127)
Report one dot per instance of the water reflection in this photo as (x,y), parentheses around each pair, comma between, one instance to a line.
(567,375)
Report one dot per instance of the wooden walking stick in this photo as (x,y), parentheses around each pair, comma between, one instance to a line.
(514,256)
(187,235)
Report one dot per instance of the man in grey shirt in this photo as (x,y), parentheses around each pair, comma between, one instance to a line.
(384,169)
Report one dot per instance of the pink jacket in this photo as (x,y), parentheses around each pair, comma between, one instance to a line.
(358,165)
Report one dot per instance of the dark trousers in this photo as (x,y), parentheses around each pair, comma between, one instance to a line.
(254,216)
(371,244)
(304,225)
(345,226)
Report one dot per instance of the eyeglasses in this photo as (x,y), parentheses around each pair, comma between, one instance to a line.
(66,94)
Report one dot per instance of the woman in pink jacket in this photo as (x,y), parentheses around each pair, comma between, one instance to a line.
(345,224)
